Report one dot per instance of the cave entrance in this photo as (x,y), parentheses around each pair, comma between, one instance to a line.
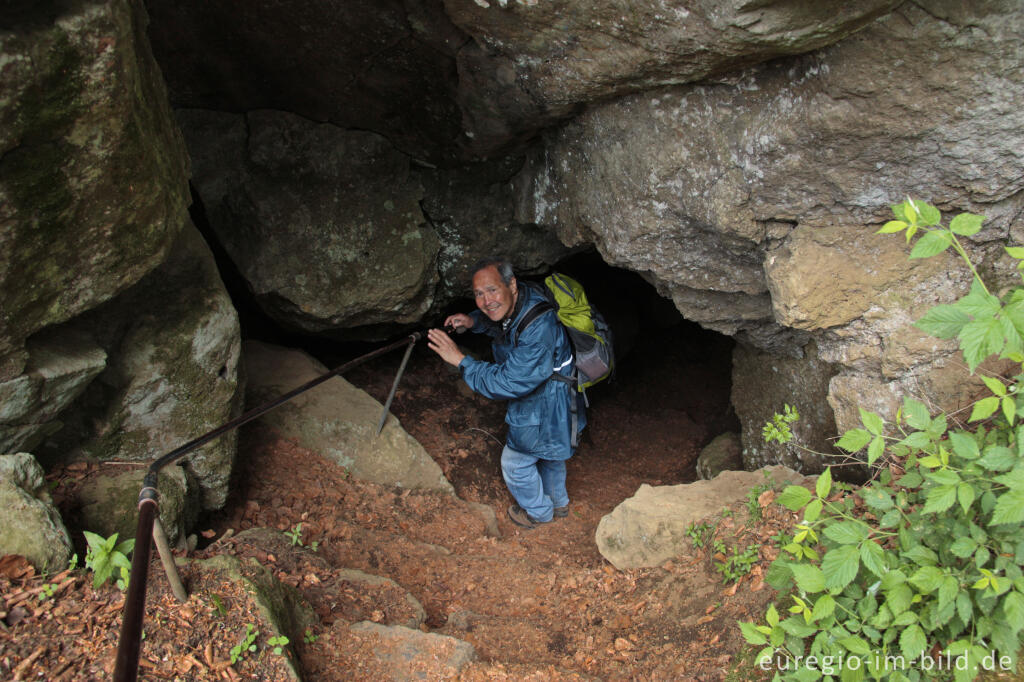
(669,397)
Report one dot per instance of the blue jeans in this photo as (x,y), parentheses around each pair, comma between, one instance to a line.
(538,485)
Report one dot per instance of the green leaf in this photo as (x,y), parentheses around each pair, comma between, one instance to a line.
(751,634)
(966,224)
(965,496)
(892,227)
(872,422)
(964,445)
(931,244)
(813,510)
(825,606)
(944,321)
(979,303)
(853,440)
(974,340)
(877,498)
(998,458)
(995,385)
(927,579)
(847,532)
(873,557)
(1009,508)
(1013,480)
(929,214)
(1013,607)
(913,642)
(794,497)
(963,547)
(916,413)
(808,578)
(984,408)
(940,499)
(840,566)
(1009,409)
(855,645)
(1015,252)
(898,599)
(823,486)
(904,212)
(876,449)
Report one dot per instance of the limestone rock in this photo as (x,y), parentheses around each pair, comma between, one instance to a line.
(93,171)
(723,453)
(324,224)
(650,527)
(30,525)
(337,420)
(407,654)
(173,346)
(108,504)
(762,385)
(60,367)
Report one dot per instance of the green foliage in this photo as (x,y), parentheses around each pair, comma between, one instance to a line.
(247,645)
(308,637)
(737,564)
(699,534)
(278,643)
(295,535)
(925,564)
(753,506)
(48,590)
(218,605)
(107,555)
(778,428)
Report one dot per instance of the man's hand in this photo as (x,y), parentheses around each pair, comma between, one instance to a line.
(442,344)
(459,322)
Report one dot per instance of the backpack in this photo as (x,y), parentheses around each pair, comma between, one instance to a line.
(590,335)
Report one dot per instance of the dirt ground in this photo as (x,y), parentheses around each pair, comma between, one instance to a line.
(537,604)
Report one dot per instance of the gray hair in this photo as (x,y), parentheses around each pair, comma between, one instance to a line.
(503,267)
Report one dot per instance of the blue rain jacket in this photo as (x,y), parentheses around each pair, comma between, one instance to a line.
(538,415)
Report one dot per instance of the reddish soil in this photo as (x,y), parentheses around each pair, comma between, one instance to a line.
(538,604)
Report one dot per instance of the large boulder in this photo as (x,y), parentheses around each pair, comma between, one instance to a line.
(401,653)
(751,200)
(324,224)
(650,527)
(29,523)
(337,420)
(60,366)
(173,372)
(93,171)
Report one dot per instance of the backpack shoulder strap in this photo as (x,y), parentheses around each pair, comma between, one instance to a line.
(532,314)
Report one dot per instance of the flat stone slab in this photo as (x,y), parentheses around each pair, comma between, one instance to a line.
(650,527)
(406,654)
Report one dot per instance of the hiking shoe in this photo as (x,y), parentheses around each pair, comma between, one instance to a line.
(562,512)
(521,518)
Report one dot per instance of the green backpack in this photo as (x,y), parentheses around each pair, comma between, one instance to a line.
(590,335)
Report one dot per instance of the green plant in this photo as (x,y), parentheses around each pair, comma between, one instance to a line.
(278,643)
(295,535)
(699,534)
(308,637)
(737,564)
(247,645)
(778,428)
(106,555)
(754,511)
(48,590)
(918,573)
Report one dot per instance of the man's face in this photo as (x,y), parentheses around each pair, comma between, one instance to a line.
(493,297)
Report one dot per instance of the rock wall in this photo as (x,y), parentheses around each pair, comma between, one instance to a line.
(117,339)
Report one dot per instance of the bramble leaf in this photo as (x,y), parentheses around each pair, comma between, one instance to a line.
(840,566)
(794,497)
(943,321)
(853,440)
(892,227)
(931,244)
(984,408)
(966,224)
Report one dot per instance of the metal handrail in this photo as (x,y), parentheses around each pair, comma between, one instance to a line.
(126,667)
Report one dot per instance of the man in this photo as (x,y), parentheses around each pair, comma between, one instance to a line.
(539,414)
